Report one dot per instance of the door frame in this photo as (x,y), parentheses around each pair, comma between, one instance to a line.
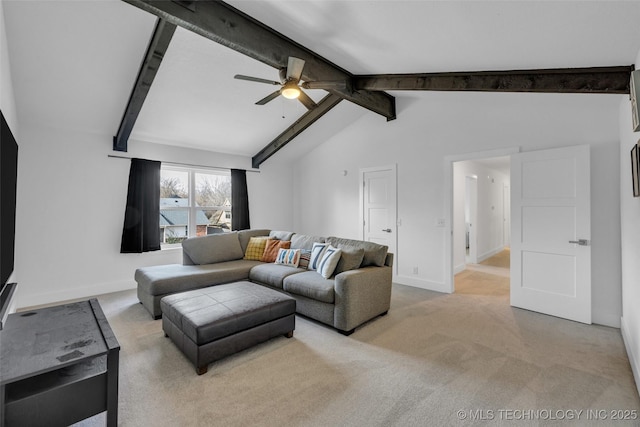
(448,204)
(394,174)
(471,203)
(506,213)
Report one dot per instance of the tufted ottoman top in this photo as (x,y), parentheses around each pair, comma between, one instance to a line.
(208,314)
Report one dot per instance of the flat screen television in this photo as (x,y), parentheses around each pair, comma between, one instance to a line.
(8,186)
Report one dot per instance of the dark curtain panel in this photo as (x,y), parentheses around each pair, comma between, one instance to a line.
(141,231)
(239,200)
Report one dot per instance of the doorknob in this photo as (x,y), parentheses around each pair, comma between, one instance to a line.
(581,242)
(387,230)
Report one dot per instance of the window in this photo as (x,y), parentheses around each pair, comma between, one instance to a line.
(193,202)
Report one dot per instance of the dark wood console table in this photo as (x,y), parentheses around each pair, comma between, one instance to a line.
(58,366)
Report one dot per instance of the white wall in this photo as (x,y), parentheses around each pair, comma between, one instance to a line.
(71,196)
(489,221)
(630,230)
(71,210)
(7,99)
(431,126)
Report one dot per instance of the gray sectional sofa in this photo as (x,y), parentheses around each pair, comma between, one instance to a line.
(358,292)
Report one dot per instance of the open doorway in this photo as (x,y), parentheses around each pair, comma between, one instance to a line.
(481,226)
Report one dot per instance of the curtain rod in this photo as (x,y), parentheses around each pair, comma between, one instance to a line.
(184,164)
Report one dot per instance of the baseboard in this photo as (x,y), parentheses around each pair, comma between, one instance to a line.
(629,344)
(459,268)
(33,300)
(421,283)
(605,319)
(489,254)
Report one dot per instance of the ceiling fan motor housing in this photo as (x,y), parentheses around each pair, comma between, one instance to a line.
(283,75)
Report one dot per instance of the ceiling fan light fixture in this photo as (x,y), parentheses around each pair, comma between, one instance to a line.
(290,90)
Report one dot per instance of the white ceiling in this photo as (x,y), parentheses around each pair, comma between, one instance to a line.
(74,63)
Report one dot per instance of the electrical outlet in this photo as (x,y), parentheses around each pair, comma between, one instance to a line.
(441,222)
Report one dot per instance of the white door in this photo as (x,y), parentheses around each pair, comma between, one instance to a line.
(550,201)
(378,204)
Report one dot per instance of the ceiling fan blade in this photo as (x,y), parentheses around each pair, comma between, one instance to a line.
(268,98)
(294,68)
(306,101)
(256,79)
(328,84)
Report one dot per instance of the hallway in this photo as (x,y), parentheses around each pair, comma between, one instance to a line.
(489,278)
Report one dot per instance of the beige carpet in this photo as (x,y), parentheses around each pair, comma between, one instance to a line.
(501,259)
(432,356)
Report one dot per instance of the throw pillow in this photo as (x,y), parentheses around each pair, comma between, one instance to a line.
(350,259)
(271,249)
(245,235)
(255,248)
(305,257)
(290,257)
(329,261)
(316,255)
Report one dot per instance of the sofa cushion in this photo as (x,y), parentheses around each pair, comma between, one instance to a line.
(316,255)
(172,278)
(329,261)
(272,248)
(213,248)
(281,235)
(245,235)
(290,257)
(311,285)
(272,274)
(302,241)
(255,248)
(374,254)
(350,259)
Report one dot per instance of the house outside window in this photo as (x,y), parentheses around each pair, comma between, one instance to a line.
(193,202)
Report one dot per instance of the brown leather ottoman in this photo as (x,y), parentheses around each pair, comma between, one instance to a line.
(210,323)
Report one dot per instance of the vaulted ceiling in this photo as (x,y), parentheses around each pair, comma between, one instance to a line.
(74,63)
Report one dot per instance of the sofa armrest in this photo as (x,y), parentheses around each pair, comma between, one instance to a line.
(361,295)
(389,260)
(186,259)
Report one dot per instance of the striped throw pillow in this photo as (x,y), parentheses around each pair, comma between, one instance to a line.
(305,257)
(290,257)
(316,255)
(329,261)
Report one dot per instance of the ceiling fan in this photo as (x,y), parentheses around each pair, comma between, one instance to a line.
(289,84)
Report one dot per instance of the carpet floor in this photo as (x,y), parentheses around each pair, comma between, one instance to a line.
(464,359)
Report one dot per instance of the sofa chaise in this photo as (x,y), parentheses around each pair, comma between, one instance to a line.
(356,290)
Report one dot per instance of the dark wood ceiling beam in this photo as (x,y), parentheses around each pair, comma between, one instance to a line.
(158,45)
(230,27)
(326,104)
(564,80)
